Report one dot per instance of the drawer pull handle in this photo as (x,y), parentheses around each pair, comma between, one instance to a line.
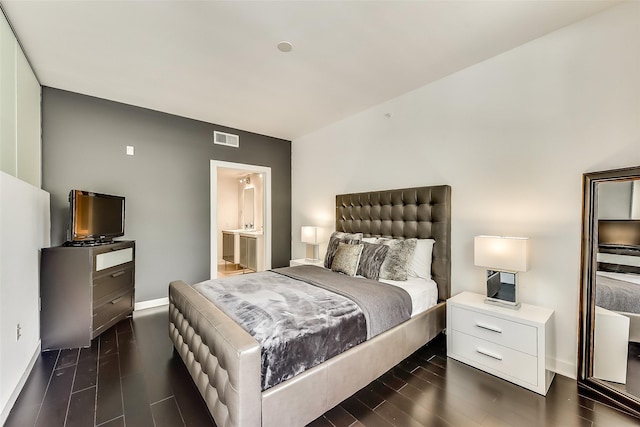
(488,328)
(117,300)
(118,273)
(489,353)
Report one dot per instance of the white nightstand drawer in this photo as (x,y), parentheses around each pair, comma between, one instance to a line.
(506,333)
(495,358)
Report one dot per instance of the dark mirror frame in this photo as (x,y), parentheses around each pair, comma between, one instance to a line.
(586,380)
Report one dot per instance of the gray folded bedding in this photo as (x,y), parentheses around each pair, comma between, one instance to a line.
(617,295)
(304,315)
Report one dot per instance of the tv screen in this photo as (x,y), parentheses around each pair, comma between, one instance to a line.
(619,232)
(95,217)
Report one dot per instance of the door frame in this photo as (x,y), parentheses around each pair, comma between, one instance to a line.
(215,165)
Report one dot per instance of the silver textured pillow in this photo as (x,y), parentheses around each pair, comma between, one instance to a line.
(334,240)
(395,264)
(347,259)
(371,260)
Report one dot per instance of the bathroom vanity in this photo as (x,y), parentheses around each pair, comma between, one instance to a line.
(244,247)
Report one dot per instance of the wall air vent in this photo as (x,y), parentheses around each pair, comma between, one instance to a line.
(228,139)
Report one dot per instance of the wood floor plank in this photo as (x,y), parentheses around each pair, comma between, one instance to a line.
(54,407)
(68,357)
(320,422)
(191,404)
(117,422)
(82,408)
(339,417)
(25,410)
(128,354)
(108,342)
(137,409)
(109,395)
(167,414)
(363,413)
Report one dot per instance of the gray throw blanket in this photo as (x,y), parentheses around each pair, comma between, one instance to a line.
(297,324)
(384,306)
(617,295)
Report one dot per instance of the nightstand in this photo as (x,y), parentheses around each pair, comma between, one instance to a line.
(304,261)
(511,344)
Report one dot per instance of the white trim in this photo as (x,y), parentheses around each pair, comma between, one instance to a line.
(215,164)
(566,369)
(143,305)
(23,379)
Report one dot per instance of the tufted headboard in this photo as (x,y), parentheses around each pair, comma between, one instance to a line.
(421,212)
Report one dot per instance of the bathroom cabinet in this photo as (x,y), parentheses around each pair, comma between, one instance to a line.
(252,251)
(248,252)
(228,247)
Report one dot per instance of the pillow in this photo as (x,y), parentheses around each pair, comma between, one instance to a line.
(369,239)
(371,260)
(332,247)
(420,263)
(395,264)
(347,259)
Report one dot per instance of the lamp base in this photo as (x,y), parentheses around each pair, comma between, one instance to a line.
(502,303)
(312,253)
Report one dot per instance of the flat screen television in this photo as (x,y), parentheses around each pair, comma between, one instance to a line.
(619,233)
(95,218)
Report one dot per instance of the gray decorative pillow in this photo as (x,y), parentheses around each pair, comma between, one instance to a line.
(371,260)
(334,240)
(395,264)
(347,259)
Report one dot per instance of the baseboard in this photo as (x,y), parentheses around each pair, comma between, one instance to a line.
(142,305)
(566,369)
(23,379)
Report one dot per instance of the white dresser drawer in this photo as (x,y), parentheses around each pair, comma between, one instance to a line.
(506,333)
(495,358)
(111,259)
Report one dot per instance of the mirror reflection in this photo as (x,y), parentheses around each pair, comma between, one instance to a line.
(248,209)
(616,333)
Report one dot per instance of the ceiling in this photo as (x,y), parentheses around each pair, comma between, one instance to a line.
(217,61)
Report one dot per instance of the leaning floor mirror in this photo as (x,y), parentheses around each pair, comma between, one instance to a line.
(609,353)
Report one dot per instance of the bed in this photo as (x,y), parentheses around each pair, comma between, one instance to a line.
(618,285)
(225,361)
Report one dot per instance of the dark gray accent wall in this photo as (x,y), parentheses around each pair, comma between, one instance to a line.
(166,183)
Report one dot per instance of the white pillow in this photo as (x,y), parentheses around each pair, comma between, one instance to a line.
(420,264)
(369,239)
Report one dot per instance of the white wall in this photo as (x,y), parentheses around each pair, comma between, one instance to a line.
(24,217)
(24,230)
(512,136)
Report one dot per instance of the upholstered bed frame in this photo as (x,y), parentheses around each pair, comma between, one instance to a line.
(224,360)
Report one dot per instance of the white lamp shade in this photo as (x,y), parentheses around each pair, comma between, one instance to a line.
(309,235)
(501,253)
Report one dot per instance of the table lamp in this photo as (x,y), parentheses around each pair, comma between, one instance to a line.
(310,237)
(503,257)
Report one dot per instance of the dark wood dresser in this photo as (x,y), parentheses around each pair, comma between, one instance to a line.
(84,291)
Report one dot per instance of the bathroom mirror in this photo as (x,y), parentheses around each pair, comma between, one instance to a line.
(609,350)
(248,208)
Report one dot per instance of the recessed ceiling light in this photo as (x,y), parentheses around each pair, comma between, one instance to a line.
(285,46)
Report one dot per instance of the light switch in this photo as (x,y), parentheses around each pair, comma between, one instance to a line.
(130,150)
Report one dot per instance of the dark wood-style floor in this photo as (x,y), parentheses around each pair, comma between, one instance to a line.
(131,377)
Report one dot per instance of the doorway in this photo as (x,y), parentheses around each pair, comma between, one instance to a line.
(247,213)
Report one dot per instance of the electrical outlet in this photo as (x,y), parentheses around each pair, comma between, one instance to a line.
(18,334)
